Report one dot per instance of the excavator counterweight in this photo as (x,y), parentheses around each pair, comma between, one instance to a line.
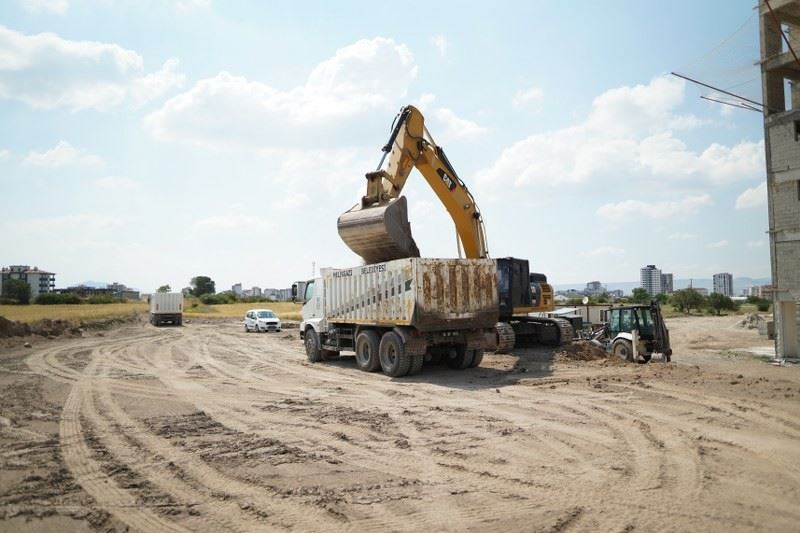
(379,233)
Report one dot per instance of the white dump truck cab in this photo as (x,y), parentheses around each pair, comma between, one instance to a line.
(313,307)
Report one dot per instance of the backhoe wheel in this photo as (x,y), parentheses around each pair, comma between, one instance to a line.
(367,346)
(505,337)
(623,349)
(394,361)
(477,357)
(459,358)
(416,364)
(313,351)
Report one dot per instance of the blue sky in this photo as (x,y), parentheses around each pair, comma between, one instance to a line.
(151,141)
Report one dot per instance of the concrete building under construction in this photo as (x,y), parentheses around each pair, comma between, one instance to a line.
(779,23)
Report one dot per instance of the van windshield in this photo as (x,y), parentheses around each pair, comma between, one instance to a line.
(266,314)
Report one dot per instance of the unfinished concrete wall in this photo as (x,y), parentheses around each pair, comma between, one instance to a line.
(780,73)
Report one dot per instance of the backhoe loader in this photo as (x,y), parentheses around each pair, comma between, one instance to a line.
(377,229)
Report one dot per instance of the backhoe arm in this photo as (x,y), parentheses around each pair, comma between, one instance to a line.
(410,146)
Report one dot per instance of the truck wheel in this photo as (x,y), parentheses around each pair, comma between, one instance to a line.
(459,358)
(416,364)
(313,351)
(394,361)
(477,357)
(367,346)
(623,349)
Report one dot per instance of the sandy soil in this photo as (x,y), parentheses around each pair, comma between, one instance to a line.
(206,427)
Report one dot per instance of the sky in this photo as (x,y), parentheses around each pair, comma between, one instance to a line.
(150,141)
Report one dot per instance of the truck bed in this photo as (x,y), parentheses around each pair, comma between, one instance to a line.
(428,294)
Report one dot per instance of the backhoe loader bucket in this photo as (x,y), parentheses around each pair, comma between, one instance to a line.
(380,233)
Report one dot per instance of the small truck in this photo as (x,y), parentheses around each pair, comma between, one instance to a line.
(398,314)
(166,308)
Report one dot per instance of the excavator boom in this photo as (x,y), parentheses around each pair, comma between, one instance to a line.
(377,228)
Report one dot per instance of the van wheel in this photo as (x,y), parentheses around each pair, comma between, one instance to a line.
(313,351)
(367,346)
(394,361)
(459,357)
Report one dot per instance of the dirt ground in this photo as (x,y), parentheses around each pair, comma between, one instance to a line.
(209,428)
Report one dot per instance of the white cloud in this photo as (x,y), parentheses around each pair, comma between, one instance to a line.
(528,98)
(117,183)
(364,80)
(56,7)
(440,42)
(87,221)
(755,244)
(681,236)
(603,251)
(719,244)
(45,72)
(5,154)
(629,131)
(455,127)
(61,155)
(754,197)
(251,223)
(657,210)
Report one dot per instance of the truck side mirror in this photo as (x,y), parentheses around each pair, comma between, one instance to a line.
(294,292)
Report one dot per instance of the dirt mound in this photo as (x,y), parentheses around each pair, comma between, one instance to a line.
(585,351)
(750,321)
(9,328)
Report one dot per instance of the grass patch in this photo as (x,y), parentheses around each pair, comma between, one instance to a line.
(284,310)
(74,312)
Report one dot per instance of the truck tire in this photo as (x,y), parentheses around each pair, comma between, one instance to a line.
(313,351)
(367,346)
(416,364)
(459,358)
(623,349)
(477,357)
(394,361)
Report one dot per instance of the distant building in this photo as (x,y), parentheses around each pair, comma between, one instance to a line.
(723,284)
(700,290)
(616,294)
(666,283)
(236,288)
(256,291)
(594,288)
(121,291)
(759,291)
(40,281)
(650,280)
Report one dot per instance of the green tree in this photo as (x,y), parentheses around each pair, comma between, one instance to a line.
(662,298)
(203,285)
(717,302)
(640,296)
(687,299)
(164,288)
(18,290)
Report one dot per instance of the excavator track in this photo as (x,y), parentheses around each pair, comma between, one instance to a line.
(505,337)
(536,330)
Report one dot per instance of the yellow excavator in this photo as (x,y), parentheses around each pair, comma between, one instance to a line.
(377,229)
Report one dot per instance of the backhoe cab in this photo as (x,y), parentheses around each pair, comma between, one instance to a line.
(652,335)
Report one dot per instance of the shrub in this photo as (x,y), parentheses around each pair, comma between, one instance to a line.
(50,298)
(104,299)
(763,306)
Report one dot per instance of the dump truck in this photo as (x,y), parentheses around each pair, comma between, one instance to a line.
(166,308)
(395,315)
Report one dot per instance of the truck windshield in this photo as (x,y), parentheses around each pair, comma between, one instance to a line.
(266,314)
(309,291)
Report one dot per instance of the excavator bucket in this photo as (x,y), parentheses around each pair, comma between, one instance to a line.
(380,233)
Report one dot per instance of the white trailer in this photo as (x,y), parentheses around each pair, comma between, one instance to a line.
(166,308)
(398,314)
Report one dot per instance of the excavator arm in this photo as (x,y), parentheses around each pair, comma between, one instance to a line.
(377,228)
